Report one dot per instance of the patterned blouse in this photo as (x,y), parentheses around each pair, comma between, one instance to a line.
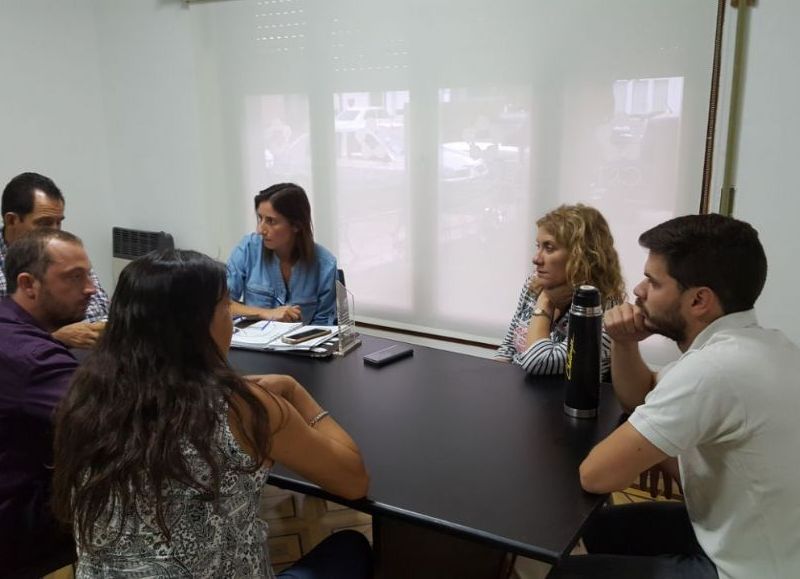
(548,355)
(211,540)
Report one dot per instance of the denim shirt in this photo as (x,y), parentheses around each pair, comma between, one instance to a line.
(255,280)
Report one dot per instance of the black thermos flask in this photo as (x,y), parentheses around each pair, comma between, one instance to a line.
(582,370)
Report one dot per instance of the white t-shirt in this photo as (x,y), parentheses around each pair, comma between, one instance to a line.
(729,409)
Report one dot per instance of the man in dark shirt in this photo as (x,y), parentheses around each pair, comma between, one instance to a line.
(49,286)
(32,201)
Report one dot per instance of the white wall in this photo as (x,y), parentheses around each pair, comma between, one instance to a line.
(116,102)
(768,195)
(52,116)
(166,157)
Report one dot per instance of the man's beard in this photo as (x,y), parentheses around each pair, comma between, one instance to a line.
(60,314)
(670,324)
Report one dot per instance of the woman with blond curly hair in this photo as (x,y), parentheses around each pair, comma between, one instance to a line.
(574,246)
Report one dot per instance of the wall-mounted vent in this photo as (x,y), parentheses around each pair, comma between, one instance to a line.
(132,243)
(128,244)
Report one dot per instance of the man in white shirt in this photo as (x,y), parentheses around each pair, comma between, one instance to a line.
(722,420)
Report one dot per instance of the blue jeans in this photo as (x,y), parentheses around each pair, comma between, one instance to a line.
(639,541)
(343,555)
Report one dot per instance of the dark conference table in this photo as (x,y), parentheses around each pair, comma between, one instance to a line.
(456,443)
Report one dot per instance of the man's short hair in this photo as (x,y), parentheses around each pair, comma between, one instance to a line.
(29,254)
(18,194)
(714,251)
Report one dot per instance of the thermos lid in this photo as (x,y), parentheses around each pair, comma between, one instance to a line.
(586,296)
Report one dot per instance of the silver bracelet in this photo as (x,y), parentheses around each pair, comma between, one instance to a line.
(313,422)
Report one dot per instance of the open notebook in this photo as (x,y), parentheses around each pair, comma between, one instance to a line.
(268,336)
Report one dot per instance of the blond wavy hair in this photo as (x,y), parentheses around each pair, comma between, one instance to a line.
(584,232)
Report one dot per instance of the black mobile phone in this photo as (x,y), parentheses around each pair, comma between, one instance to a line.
(305,335)
(388,355)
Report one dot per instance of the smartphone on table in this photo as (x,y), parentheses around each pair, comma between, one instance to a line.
(305,335)
(388,355)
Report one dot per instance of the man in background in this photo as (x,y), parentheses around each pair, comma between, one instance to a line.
(32,201)
(722,419)
(50,286)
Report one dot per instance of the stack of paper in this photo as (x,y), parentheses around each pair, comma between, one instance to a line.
(260,335)
(267,335)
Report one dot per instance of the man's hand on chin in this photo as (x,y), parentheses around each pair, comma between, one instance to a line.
(80,334)
(626,323)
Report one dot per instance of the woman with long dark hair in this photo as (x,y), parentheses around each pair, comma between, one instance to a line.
(279,272)
(161,449)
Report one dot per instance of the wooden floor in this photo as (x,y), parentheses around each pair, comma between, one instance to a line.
(65,573)
(298,522)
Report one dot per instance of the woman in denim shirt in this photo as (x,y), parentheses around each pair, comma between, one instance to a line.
(279,273)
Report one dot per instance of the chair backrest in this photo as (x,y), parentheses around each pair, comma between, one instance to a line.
(340,276)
